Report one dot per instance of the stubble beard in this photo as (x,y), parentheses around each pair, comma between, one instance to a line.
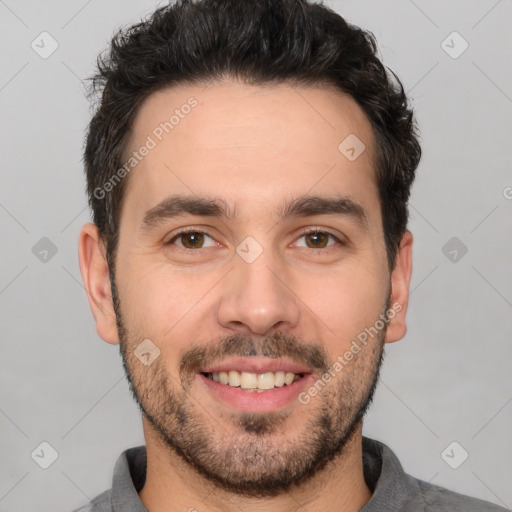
(250,454)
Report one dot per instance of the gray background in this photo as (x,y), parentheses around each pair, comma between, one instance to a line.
(448,380)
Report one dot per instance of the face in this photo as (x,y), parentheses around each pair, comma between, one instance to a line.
(281,269)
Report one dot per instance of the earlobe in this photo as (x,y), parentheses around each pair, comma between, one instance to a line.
(400,282)
(95,275)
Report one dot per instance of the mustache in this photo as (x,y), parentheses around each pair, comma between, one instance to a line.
(277,345)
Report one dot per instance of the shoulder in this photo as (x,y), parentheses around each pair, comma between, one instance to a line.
(99,504)
(394,489)
(128,477)
(440,499)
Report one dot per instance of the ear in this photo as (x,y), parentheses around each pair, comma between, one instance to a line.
(400,281)
(94,270)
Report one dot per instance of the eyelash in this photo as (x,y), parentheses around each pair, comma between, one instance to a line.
(303,233)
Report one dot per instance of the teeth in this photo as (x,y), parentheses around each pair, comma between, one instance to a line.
(252,381)
(234,378)
(248,380)
(279,379)
(266,380)
(288,378)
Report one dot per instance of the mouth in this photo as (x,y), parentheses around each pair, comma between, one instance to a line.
(254,382)
(256,385)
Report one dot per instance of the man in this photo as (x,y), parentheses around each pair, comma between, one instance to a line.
(248,168)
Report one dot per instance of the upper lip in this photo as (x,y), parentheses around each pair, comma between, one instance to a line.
(256,365)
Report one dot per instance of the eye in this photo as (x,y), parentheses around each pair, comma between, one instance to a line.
(191,239)
(194,239)
(318,239)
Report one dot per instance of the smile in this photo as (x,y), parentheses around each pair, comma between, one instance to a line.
(254,382)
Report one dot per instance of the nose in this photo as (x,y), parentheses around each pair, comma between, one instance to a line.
(257,298)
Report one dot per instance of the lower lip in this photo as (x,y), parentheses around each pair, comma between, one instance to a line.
(267,401)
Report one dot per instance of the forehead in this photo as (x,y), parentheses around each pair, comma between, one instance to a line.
(250,145)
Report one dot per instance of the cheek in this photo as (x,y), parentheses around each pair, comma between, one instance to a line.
(347,304)
(152,299)
(166,305)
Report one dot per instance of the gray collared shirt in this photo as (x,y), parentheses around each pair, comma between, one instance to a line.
(393,490)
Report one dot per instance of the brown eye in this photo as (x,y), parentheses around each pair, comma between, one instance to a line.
(318,239)
(191,240)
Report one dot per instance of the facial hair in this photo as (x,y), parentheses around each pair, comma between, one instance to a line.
(252,462)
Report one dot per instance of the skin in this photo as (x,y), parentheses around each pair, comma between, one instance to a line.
(255,147)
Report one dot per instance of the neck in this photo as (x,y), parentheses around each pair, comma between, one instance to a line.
(172,485)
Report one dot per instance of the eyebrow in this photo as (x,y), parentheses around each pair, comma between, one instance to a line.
(304,206)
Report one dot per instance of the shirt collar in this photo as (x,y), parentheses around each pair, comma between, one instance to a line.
(386,478)
(128,480)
